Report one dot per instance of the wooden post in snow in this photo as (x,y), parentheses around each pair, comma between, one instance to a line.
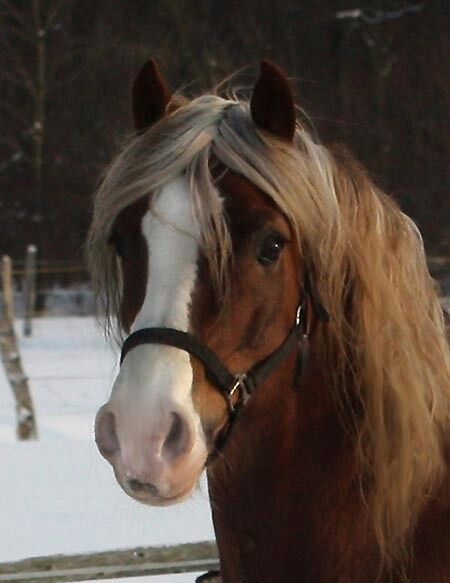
(26,420)
(29,289)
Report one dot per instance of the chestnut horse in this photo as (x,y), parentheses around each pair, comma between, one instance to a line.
(283,332)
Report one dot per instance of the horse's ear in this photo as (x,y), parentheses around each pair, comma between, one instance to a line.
(272,104)
(150,96)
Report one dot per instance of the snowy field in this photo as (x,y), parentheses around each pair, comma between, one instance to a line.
(58,496)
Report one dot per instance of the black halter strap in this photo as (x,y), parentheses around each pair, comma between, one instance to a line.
(217,372)
(246,382)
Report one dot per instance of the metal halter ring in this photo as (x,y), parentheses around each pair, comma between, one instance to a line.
(239,382)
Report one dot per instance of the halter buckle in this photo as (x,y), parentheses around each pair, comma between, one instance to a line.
(240,379)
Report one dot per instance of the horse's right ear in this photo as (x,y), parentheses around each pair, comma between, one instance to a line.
(150,96)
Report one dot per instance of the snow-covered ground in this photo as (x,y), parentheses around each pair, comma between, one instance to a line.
(57,495)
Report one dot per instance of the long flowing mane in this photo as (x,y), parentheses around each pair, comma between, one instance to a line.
(385,346)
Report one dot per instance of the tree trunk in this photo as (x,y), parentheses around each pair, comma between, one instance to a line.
(26,420)
(39,106)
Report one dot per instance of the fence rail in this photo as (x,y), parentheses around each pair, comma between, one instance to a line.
(191,557)
(62,287)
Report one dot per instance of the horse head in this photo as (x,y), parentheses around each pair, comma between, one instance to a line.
(166,415)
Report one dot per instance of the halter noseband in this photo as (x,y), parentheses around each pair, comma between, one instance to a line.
(225,381)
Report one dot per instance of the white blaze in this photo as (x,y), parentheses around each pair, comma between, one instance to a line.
(157,379)
(172,238)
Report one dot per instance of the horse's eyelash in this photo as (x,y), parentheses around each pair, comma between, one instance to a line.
(283,238)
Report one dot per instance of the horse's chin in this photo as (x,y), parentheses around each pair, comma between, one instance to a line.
(164,500)
(175,494)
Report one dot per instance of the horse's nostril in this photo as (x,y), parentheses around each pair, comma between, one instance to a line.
(178,440)
(134,485)
(151,489)
(106,434)
(137,486)
(176,431)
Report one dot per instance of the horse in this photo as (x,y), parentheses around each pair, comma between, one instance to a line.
(282,331)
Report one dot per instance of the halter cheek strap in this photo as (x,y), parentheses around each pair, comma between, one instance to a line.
(216,370)
(247,382)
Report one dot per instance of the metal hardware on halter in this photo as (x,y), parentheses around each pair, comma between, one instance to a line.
(303,344)
(242,384)
(239,383)
(298,315)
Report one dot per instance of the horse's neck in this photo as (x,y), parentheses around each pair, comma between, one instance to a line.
(285,496)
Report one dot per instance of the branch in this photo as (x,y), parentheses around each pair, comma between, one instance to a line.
(54,86)
(20,34)
(37,17)
(65,58)
(12,144)
(52,15)
(9,142)
(17,61)
(12,10)
(379,16)
(18,155)
(11,112)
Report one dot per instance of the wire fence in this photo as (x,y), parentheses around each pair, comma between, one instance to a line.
(58,288)
(63,287)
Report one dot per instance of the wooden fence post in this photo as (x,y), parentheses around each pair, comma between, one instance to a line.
(26,420)
(29,289)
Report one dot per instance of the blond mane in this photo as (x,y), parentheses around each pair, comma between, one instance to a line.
(386,334)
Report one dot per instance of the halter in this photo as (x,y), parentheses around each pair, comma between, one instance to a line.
(246,383)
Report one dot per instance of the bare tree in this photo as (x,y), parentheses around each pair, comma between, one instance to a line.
(33,52)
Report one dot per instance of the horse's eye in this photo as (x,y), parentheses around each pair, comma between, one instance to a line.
(270,249)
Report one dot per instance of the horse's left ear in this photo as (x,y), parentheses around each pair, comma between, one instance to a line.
(272,104)
(150,96)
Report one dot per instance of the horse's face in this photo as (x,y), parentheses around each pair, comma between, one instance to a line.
(164,416)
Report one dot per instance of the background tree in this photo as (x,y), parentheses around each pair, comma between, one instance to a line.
(373,77)
(36,48)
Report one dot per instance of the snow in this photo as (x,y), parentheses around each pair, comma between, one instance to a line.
(58,495)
